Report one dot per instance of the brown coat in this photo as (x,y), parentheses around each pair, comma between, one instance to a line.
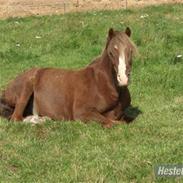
(88,94)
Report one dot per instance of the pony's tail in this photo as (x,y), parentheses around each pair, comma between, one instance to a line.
(5,110)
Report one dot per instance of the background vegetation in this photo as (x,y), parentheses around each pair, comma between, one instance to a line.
(75,152)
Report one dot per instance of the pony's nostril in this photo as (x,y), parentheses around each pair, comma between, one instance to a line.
(119,77)
(128,74)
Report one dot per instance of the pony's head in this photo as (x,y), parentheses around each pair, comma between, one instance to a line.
(120,50)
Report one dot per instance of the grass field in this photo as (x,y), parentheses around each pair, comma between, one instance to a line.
(75,152)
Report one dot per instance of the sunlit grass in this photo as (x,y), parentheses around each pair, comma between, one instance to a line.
(75,152)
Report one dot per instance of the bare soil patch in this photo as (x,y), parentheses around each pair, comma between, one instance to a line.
(19,8)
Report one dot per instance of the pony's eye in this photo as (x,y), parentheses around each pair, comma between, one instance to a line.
(111,54)
(130,62)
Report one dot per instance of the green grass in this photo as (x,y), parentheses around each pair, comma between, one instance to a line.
(75,152)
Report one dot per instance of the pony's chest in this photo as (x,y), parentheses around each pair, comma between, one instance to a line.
(107,100)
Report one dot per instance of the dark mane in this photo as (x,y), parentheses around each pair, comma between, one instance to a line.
(119,37)
(125,41)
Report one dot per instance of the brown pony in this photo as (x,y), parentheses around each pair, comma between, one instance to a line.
(97,92)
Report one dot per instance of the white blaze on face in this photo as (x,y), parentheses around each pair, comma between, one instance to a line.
(121,75)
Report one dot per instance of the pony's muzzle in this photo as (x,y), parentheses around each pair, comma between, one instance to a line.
(123,81)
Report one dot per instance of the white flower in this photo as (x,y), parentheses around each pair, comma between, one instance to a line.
(38,37)
(179,56)
(144,16)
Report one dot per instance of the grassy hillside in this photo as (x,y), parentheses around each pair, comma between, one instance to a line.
(75,152)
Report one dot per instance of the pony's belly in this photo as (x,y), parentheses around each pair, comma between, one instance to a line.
(54,107)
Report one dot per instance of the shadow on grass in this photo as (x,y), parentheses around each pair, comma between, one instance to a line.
(131,113)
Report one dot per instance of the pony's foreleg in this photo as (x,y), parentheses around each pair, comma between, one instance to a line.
(93,115)
(118,112)
(22,102)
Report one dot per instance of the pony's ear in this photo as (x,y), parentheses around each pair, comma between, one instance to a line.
(128,32)
(111,33)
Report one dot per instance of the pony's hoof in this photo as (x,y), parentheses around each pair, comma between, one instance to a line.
(108,125)
(116,122)
(35,119)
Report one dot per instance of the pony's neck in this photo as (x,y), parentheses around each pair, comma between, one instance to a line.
(104,65)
